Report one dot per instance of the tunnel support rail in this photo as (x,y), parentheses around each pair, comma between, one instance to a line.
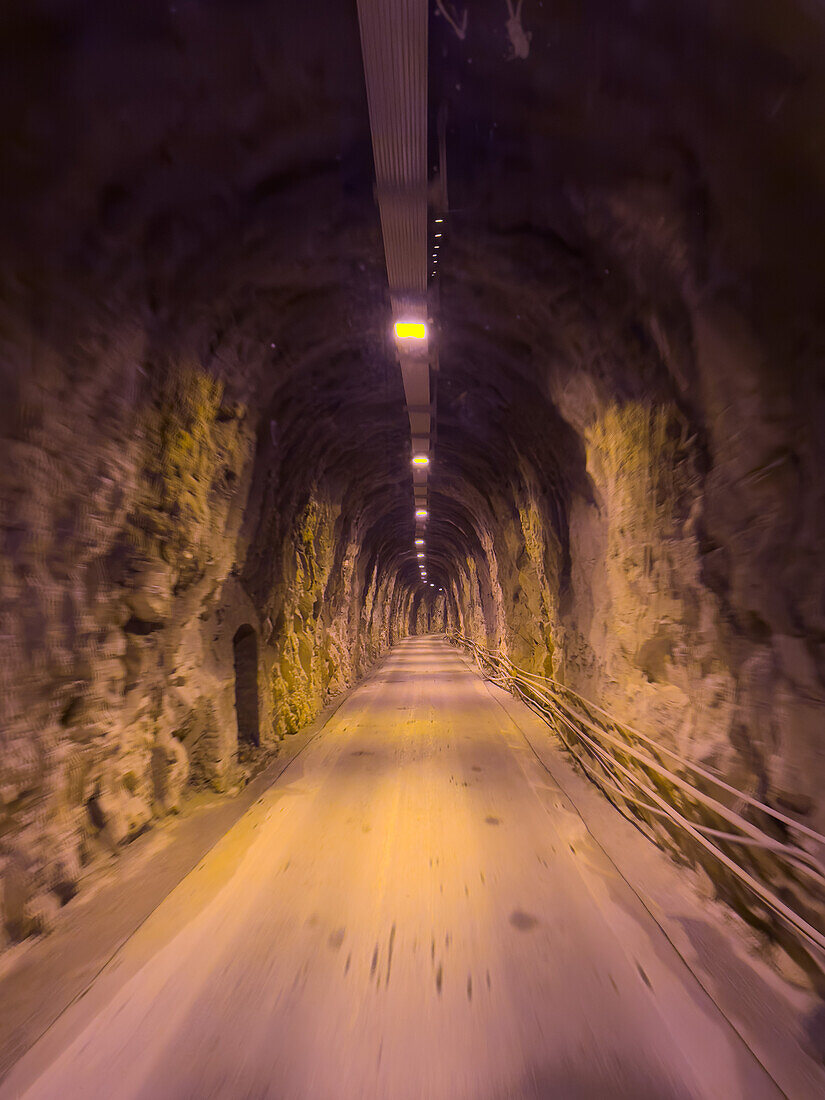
(759,856)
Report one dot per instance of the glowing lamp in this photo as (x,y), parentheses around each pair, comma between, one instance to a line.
(419,542)
(421,513)
(410,330)
(420,460)
(420,554)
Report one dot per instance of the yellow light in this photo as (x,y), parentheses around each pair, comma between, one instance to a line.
(410,330)
(420,460)
(420,554)
(419,542)
(421,513)
(438,221)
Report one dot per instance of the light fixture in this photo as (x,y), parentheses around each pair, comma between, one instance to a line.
(410,330)
(420,460)
(421,513)
(437,246)
(438,234)
(419,542)
(438,221)
(420,554)
(432,585)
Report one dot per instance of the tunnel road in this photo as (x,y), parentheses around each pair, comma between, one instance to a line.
(406,914)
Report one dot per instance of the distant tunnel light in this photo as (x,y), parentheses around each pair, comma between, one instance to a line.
(410,330)
(420,460)
(420,554)
(421,513)
(419,542)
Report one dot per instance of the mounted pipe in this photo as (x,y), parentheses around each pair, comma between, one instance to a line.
(394,44)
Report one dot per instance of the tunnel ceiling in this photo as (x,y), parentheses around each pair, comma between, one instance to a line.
(201,173)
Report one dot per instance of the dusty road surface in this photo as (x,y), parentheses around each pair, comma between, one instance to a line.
(408,913)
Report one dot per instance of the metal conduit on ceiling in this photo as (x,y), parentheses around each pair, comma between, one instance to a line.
(394,47)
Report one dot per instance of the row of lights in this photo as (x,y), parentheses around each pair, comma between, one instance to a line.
(416,330)
(436,246)
(423,460)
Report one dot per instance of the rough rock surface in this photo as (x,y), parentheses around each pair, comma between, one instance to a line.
(203,431)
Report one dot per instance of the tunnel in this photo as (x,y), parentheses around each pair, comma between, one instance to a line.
(413,587)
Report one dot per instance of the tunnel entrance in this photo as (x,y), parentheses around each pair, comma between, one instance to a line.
(245,647)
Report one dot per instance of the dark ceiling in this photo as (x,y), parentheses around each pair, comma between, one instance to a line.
(201,172)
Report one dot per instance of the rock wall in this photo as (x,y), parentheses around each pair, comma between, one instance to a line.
(123,597)
(659,584)
(200,415)
(631,389)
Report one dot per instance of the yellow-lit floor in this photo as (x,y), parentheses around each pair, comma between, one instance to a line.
(406,914)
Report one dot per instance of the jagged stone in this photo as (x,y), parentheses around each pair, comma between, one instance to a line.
(204,430)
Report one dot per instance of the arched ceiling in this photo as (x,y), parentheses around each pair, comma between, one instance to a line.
(201,172)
